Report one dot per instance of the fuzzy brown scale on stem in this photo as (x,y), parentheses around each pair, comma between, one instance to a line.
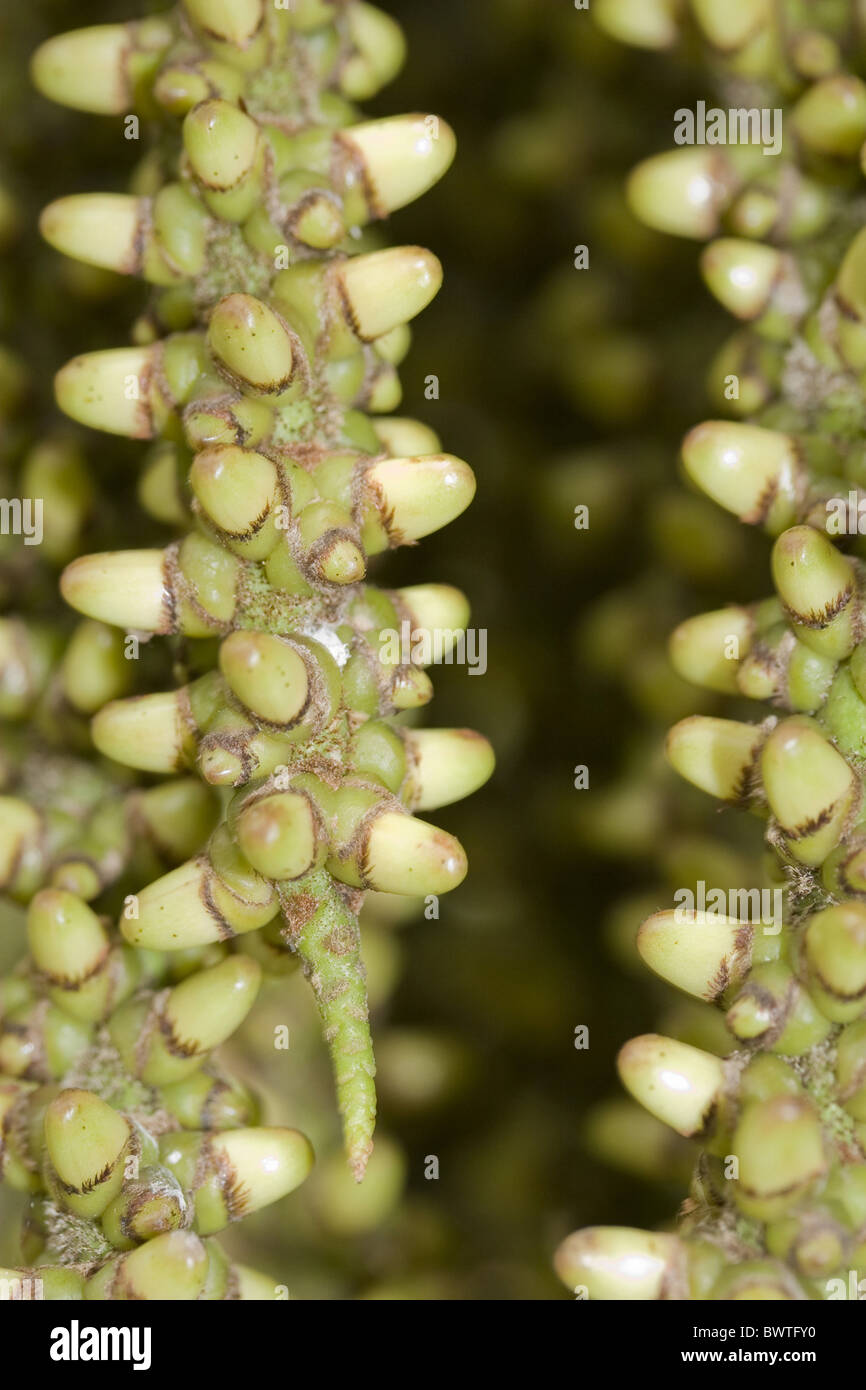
(74,983)
(235,1193)
(89,1184)
(810,826)
(820,618)
(248,533)
(152,1023)
(346,161)
(226,931)
(233,742)
(747,789)
(175,1045)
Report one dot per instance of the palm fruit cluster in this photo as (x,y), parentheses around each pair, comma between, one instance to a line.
(776,1208)
(272,331)
(482,1085)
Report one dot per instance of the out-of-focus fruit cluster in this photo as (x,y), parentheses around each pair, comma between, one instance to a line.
(776,1208)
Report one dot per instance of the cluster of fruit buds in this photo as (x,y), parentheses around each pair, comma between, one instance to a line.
(275,331)
(746,40)
(129,1141)
(778,1202)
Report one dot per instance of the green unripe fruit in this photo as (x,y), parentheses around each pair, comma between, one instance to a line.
(280,835)
(834,944)
(252,344)
(267,674)
(235,21)
(237,1171)
(171,1267)
(678,1083)
(810,788)
(617,1263)
(781,1155)
(150,1205)
(86,1141)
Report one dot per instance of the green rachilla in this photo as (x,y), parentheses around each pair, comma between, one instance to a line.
(273,334)
(778,1203)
